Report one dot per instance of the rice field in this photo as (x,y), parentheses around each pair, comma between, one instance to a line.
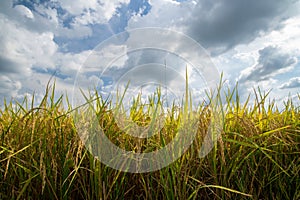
(257,155)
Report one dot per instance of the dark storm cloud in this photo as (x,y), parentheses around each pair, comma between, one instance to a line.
(223,24)
(293,83)
(272,61)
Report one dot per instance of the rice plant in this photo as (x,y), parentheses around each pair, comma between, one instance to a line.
(257,155)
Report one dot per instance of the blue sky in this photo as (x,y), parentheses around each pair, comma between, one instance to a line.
(253,42)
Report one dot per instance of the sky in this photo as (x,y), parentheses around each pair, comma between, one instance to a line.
(255,43)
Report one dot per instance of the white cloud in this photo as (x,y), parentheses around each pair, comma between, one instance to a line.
(47,19)
(24,47)
(220,26)
(164,14)
(237,31)
(292,83)
(271,62)
(24,11)
(9,88)
(21,50)
(92,11)
(237,60)
(27,40)
(106,56)
(78,6)
(29,52)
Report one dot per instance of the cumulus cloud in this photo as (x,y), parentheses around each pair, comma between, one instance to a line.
(24,11)
(221,28)
(40,38)
(292,83)
(271,62)
(39,20)
(165,14)
(93,11)
(66,19)
(9,88)
(21,48)
(8,65)
(28,39)
(149,50)
(218,25)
